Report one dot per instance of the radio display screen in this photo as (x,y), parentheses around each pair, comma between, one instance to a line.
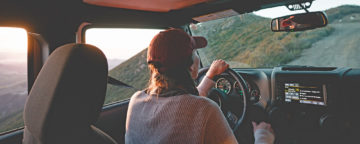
(305,94)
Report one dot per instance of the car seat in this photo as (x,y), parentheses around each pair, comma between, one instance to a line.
(67,98)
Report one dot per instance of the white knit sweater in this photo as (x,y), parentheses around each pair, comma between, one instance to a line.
(185,119)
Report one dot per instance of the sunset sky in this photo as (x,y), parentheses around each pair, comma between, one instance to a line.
(13,45)
(120,43)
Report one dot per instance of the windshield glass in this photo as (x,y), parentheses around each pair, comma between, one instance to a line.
(246,41)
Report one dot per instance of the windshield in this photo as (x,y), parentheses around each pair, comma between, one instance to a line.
(246,41)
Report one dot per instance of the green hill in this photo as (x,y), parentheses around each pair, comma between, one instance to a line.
(15,120)
(248,40)
(134,72)
(243,41)
(345,13)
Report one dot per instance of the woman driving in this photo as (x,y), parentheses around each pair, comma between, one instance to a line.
(172,109)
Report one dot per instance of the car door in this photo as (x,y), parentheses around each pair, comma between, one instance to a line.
(22,55)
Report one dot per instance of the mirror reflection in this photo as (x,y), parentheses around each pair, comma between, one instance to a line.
(299,22)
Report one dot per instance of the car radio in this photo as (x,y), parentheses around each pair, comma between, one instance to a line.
(303,93)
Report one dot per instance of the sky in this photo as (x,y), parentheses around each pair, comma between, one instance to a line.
(120,43)
(13,39)
(13,45)
(317,5)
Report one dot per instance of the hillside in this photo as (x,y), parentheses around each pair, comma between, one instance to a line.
(13,92)
(247,41)
(133,72)
(243,41)
(342,47)
(344,14)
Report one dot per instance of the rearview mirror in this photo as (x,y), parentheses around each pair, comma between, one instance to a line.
(299,22)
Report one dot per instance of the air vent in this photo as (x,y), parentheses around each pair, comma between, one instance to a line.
(306,68)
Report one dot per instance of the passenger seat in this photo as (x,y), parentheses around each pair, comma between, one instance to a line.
(67,97)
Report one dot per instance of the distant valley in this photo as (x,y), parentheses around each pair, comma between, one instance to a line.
(13,94)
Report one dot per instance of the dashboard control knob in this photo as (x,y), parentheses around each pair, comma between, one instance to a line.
(328,121)
(255,96)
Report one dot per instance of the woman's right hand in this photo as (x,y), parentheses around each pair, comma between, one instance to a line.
(263,133)
(216,68)
(262,125)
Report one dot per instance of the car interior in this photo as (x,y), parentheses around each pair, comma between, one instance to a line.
(69,79)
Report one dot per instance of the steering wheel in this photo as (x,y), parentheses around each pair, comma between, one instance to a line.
(228,103)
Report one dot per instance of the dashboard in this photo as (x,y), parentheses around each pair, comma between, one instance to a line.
(285,86)
(228,85)
(303,104)
(258,83)
(306,102)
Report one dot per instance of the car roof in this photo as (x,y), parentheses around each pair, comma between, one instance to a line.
(147,12)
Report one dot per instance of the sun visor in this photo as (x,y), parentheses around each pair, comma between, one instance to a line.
(146,5)
(216,15)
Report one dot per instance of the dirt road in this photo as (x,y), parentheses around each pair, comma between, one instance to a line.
(340,49)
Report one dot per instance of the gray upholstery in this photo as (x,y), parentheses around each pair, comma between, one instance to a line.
(67,97)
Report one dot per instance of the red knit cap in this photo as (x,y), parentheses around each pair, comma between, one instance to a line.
(172,48)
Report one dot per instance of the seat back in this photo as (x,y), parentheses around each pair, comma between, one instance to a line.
(67,97)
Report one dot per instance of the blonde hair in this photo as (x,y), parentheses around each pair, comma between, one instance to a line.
(171,79)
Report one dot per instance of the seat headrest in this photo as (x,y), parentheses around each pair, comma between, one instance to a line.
(68,92)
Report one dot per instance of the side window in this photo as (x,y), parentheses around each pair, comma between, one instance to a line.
(13,77)
(125,50)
